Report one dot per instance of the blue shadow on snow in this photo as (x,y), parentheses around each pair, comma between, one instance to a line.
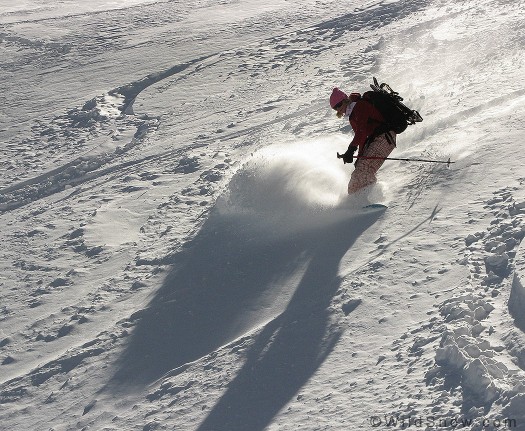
(216,293)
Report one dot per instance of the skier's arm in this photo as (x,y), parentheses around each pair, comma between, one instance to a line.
(359,140)
(364,120)
(357,143)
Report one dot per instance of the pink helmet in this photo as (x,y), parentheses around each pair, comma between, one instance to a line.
(336,97)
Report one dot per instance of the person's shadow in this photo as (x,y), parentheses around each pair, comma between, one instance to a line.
(291,347)
(233,279)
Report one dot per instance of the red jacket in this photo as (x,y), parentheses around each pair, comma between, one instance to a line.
(364,119)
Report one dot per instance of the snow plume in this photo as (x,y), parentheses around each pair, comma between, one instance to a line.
(293,186)
(292,176)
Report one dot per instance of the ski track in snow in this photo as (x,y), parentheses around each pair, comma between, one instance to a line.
(178,254)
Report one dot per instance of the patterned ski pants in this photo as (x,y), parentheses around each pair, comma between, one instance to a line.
(366,169)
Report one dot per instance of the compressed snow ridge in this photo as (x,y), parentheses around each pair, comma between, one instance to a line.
(477,351)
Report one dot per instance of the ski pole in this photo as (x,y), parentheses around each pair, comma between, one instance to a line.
(448,162)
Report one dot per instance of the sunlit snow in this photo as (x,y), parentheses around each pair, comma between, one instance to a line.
(178,248)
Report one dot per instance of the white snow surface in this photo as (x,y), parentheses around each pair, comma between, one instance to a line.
(178,249)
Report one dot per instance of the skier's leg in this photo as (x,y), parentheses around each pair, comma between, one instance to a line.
(362,176)
(366,169)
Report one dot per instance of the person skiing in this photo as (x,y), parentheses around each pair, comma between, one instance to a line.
(372,139)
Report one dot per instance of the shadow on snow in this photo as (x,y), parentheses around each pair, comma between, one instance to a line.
(231,280)
(290,348)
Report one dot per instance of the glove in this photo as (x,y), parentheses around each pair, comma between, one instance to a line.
(348,157)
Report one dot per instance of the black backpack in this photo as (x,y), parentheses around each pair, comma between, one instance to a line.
(389,103)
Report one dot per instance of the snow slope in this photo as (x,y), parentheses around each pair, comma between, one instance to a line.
(178,251)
